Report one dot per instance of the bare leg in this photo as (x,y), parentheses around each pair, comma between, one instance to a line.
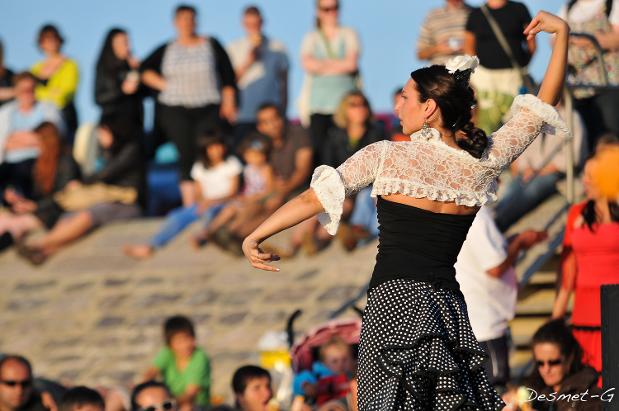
(226,215)
(66,231)
(138,251)
(18,225)
(245,214)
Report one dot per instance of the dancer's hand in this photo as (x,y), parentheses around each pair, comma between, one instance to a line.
(546,22)
(258,258)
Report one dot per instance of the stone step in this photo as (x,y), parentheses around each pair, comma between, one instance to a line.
(523,328)
(535,301)
(543,279)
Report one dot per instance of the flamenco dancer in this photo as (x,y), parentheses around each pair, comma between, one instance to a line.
(417,349)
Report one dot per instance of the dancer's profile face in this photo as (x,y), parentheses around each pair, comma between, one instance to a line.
(410,111)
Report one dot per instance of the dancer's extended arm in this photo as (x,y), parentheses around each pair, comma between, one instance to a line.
(298,209)
(552,85)
(329,187)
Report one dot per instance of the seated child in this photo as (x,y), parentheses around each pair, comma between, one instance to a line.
(216,179)
(81,399)
(330,377)
(252,388)
(184,368)
(257,188)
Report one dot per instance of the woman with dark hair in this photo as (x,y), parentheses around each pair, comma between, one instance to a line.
(58,76)
(6,80)
(417,348)
(197,90)
(118,80)
(217,180)
(590,255)
(115,192)
(53,170)
(559,372)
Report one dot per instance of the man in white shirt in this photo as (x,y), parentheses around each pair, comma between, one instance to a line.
(19,143)
(488,281)
(261,67)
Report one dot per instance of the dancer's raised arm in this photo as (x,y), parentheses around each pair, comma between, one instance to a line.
(552,85)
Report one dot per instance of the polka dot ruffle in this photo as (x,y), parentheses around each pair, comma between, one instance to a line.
(418,352)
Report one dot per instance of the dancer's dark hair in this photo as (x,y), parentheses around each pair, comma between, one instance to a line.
(456,99)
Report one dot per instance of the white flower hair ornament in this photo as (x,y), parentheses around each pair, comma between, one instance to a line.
(462,63)
(461,67)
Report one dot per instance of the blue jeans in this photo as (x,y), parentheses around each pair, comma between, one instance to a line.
(521,197)
(364,212)
(179,219)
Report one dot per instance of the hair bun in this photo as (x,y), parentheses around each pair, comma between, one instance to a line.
(474,140)
(463,77)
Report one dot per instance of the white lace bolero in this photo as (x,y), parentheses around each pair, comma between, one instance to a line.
(429,168)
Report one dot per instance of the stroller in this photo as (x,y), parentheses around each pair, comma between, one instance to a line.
(305,353)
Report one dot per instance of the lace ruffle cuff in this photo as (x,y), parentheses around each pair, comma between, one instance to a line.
(545,111)
(329,188)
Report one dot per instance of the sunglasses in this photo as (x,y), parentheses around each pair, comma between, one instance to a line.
(331,9)
(551,363)
(14,383)
(357,105)
(168,405)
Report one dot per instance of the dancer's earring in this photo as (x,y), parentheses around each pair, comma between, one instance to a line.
(425,130)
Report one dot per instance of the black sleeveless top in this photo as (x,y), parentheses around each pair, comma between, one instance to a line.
(419,245)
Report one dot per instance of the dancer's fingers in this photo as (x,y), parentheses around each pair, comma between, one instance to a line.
(264,267)
(263,258)
(534,24)
(268,257)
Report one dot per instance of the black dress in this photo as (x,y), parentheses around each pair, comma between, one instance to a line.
(418,351)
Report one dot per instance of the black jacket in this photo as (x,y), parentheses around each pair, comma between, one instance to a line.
(123,167)
(583,381)
(338,147)
(110,97)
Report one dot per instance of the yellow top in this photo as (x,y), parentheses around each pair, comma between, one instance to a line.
(61,86)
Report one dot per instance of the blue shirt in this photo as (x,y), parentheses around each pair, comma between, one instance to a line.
(262,82)
(12,119)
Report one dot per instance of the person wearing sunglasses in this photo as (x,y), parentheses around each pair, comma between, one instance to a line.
(559,368)
(152,396)
(330,58)
(16,387)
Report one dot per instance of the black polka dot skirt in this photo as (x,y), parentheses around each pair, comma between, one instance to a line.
(418,352)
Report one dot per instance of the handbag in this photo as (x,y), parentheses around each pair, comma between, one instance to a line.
(529,85)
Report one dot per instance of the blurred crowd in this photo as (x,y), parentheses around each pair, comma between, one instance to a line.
(237,157)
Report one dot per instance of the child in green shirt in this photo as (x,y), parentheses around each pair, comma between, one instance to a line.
(184,368)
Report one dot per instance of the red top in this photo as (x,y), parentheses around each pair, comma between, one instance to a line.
(597,262)
(572,215)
